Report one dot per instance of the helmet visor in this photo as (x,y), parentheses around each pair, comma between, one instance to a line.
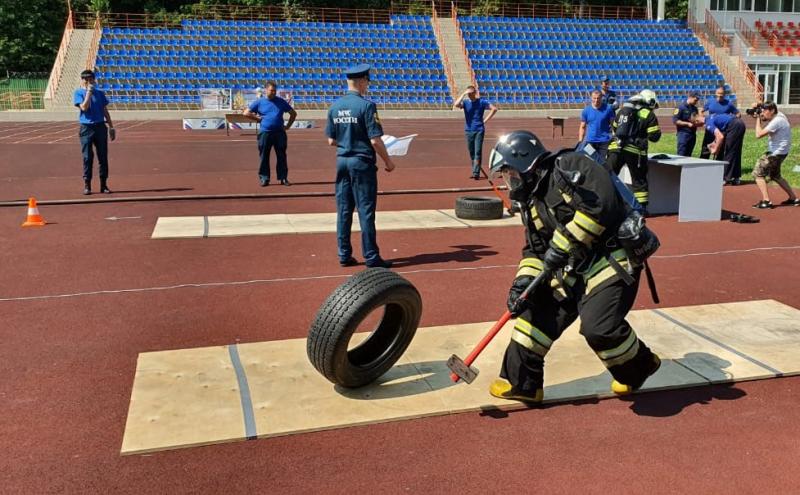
(512,178)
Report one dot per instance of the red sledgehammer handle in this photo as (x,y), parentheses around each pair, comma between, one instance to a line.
(484,342)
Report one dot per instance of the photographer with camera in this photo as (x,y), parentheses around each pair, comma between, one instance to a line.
(770,122)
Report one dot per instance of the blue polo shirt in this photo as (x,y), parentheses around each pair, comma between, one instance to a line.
(473,113)
(719,121)
(271,112)
(352,122)
(598,123)
(714,107)
(94,114)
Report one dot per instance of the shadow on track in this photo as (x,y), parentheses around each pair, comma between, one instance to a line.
(463,254)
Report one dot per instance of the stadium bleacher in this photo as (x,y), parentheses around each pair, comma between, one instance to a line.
(553,62)
(166,67)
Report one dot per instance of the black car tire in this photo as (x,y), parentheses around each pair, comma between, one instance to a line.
(342,312)
(479,208)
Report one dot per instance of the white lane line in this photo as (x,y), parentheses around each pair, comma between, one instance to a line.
(325,277)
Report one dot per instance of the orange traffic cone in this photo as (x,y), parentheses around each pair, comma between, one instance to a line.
(34,218)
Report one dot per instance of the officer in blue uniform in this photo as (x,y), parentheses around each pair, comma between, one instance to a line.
(355,129)
(685,120)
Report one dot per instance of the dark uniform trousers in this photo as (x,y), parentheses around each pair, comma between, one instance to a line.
(732,149)
(356,188)
(94,135)
(637,166)
(708,138)
(266,141)
(686,142)
(603,325)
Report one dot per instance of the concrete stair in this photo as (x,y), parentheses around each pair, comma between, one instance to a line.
(74,63)
(450,43)
(743,89)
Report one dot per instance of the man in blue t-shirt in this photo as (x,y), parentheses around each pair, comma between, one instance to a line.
(474,107)
(272,132)
(93,116)
(594,132)
(718,105)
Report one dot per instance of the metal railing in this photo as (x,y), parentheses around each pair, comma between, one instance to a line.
(753,38)
(235,12)
(465,52)
(752,80)
(58,66)
(451,83)
(94,44)
(538,10)
(22,100)
(712,26)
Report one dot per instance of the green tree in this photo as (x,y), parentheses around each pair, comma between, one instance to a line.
(31,34)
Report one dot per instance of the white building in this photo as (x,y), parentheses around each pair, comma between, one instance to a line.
(766,34)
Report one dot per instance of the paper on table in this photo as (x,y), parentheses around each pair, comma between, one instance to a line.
(397,146)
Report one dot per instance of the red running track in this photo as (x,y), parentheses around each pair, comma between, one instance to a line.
(69,348)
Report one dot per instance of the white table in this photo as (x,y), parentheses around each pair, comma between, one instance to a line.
(690,187)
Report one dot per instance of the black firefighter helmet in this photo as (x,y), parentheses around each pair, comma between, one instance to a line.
(518,157)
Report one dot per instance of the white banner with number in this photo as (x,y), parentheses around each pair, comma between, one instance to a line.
(209,124)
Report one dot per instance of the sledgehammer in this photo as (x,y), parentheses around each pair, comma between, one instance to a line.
(461,368)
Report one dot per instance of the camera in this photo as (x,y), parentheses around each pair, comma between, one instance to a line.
(755,111)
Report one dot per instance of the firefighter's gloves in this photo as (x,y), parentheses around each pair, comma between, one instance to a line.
(516,305)
(555,259)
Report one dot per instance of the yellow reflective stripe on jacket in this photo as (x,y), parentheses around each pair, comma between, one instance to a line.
(654,129)
(642,196)
(528,271)
(531,338)
(532,262)
(588,223)
(560,241)
(579,234)
(622,353)
(633,149)
(602,271)
(566,197)
(613,145)
(537,222)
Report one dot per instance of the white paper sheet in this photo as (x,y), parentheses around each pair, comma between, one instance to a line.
(397,146)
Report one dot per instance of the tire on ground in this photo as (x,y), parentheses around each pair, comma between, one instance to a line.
(479,208)
(342,312)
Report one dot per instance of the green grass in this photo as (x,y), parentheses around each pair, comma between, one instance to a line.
(753,148)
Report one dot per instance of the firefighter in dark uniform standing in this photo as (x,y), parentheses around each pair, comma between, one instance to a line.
(636,124)
(355,129)
(686,122)
(573,216)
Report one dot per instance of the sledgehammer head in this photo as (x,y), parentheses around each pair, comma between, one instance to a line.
(460,370)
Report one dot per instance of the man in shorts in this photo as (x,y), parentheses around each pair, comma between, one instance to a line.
(778,145)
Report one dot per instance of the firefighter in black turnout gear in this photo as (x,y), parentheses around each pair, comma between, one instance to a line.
(635,124)
(572,213)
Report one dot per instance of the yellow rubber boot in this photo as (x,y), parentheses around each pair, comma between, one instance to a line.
(622,389)
(503,390)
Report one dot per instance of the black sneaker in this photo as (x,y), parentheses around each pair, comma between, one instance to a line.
(791,202)
(763,205)
(286,182)
(348,262)
(380,263)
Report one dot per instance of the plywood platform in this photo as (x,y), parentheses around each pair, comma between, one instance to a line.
(191,397)
(305,223)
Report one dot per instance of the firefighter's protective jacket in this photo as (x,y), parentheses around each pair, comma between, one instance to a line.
(580,219)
